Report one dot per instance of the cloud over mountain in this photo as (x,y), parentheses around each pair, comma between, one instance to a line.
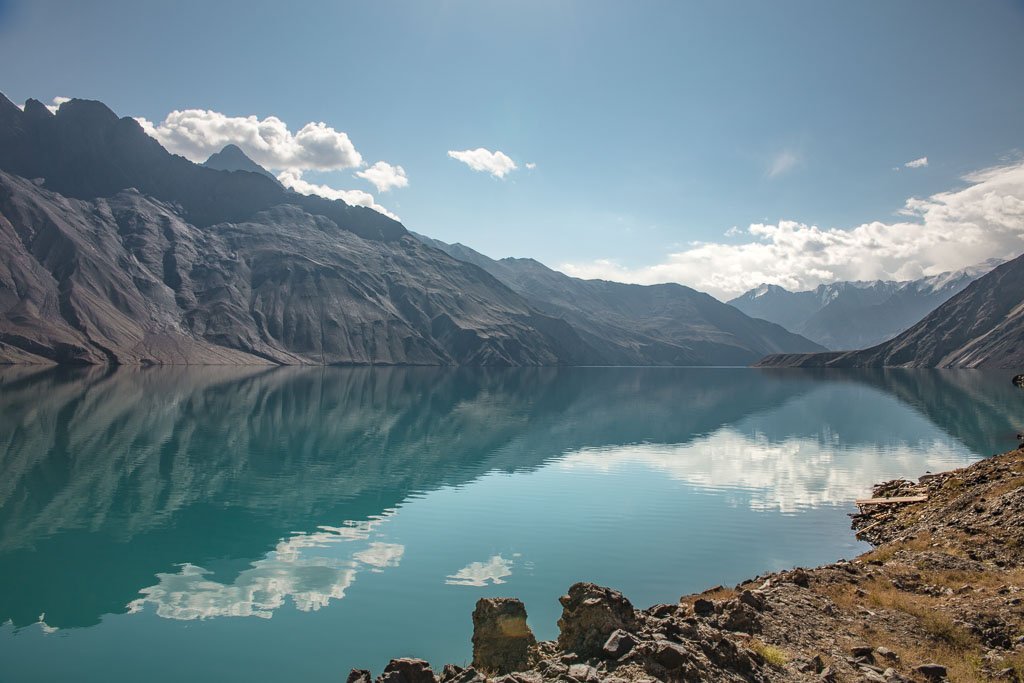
(198,133)
(946,231)
(384,176)
(292,179)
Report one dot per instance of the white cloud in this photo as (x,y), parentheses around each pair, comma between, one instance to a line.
(384,176)
(947,231)
(783,161)
(917,163)
(292,178)
(497,163)
(530,165)
(57,101)
(493,570)
(198,133)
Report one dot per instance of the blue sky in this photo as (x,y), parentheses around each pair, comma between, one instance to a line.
(653,125)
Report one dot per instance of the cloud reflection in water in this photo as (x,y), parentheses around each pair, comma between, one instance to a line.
(292,570)
(785,475)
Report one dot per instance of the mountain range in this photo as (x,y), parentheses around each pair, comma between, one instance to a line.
(860,314)
(115,251)
(666,324)
(982,326)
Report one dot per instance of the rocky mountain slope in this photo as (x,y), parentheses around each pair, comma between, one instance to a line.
(938,599)
(981,327)
(856,315)
(666,324)
(115,251)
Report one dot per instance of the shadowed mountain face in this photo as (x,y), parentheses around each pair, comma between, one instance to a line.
(856,315)
(85,151)
(665,324)
(981,327)
(123,279)
(115,251)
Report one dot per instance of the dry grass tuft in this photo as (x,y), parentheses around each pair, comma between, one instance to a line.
(772,655)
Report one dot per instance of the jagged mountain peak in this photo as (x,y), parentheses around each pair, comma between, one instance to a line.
(851,314)
(232,158)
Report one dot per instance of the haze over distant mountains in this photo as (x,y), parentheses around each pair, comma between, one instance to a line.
(115,251)
(856,315)
(982,326)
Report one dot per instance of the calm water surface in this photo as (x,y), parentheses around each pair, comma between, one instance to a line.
(287,524)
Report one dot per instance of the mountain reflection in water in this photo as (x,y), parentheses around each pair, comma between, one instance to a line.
(234,492)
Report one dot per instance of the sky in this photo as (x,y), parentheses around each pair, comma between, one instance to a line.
(716,144)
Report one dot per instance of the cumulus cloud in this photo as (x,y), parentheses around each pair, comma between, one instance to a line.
(292,179)
(198,133)
(497,163)
(917,163)
(57,101)
(946,231)
(530,165)
(384,176)
(783,161)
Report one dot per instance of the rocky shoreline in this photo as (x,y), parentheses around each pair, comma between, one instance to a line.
(940,597)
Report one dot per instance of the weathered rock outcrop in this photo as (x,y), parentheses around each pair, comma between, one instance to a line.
(590,615)
(502,640)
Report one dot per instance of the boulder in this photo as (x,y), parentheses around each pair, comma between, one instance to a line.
(359,676)
(501,637)
(703,607)
(670,655)
(738,616)
(619,644)
(590,614)
(931,671)
(754,599)
(406,670)
(1018,380)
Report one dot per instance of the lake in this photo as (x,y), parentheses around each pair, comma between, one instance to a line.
(287,524)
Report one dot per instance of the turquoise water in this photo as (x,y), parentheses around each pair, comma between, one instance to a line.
(287,524)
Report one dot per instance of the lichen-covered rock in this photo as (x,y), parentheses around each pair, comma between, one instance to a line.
(407,670)
(501,637)
(590,614)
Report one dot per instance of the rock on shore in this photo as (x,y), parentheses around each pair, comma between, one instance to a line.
(941,597)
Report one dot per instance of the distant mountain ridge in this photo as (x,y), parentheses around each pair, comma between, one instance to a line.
(666,324)
(853,315)
(981,327)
